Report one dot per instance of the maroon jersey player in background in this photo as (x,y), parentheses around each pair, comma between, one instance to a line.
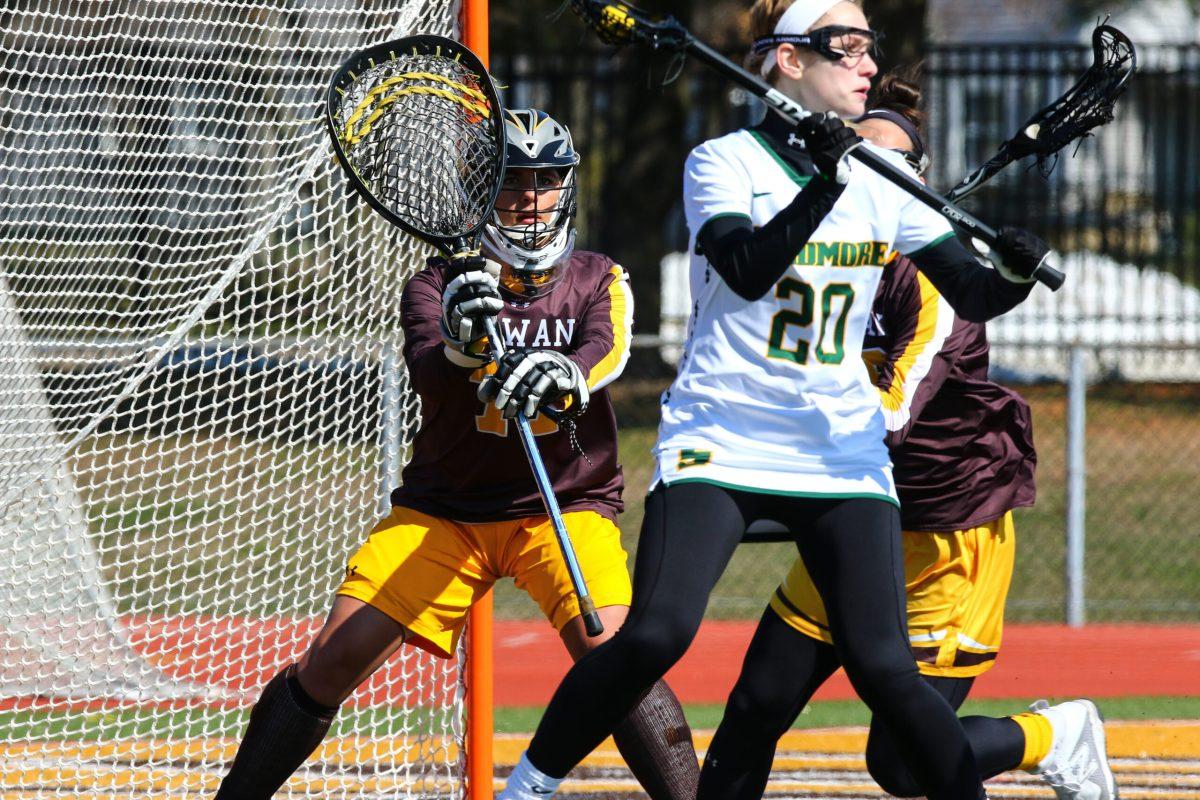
(468,512)
(963,458)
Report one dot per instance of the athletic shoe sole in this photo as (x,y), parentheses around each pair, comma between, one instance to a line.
(1096,728)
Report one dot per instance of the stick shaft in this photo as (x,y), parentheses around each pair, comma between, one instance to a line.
(587,608)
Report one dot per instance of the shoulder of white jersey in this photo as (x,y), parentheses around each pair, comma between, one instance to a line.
(727,146)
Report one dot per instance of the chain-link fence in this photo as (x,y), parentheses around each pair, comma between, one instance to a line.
(1118,438)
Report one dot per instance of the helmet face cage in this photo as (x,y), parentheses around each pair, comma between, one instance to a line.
(532,252)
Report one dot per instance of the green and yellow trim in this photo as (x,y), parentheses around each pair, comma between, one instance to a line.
(919,251)
(796,177)
(780,493)
(690,457)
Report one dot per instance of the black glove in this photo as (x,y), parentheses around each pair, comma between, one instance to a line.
(527,378)
(1018,254)
(828,140)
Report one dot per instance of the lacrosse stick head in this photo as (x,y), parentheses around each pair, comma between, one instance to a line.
(1086,105)
(418,128)
(621,23)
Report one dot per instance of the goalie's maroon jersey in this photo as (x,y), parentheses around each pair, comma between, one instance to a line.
(467,462)
(962,446)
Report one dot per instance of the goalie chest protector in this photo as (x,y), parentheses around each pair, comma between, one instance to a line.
(772,394)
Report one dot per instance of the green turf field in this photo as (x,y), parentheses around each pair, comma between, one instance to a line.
(839,713)
(194,723)
(1142,563)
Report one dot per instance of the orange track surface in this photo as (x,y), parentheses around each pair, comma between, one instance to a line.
(1036,661)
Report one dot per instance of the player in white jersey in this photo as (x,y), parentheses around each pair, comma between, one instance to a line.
(773,415)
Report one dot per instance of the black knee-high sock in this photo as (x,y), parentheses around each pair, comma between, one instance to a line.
(656,743)
(286,725)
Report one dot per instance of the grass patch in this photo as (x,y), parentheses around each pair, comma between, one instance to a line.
(194,723)
(1143,451)
(134,724)
(841,713)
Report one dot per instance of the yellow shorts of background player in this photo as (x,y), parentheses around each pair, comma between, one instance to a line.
(956,584)
(426,572)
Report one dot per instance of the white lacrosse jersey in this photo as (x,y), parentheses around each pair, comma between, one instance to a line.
(772,395)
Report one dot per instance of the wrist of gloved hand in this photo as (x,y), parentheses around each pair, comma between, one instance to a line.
(527,379)
(828,141)
(470,355)
(1018,254)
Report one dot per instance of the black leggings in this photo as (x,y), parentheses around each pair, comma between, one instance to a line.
(782,670)
(852,551)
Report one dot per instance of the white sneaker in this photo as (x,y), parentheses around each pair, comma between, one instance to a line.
(1077,766)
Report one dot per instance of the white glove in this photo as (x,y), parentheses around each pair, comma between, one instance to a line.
(526,379)
(468,300)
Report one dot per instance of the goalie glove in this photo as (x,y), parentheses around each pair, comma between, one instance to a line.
(526,379)
(1018,254)
(468,300)
(828,141)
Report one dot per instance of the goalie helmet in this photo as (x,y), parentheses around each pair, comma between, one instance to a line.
(532,253)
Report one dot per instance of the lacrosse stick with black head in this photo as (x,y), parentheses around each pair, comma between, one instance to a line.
(418,129)
(1088,104)
(621,23)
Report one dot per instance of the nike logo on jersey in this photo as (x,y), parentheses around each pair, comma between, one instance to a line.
(759,194)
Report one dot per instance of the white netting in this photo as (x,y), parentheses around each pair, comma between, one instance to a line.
(201,402)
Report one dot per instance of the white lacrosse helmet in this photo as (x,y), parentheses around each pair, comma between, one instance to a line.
(533,254)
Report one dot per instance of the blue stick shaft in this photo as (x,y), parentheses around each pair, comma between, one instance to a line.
(546,489)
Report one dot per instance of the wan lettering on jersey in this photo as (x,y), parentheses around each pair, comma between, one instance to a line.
(546,333)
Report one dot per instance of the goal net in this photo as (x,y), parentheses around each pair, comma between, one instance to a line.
(203,402)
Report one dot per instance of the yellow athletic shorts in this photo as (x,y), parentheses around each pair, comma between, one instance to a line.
(425,572)
(956,584)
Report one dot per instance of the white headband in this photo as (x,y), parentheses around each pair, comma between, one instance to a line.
(799,17)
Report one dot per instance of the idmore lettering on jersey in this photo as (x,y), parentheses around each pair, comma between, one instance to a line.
(772,394)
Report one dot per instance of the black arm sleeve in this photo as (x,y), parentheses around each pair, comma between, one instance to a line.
(750,261)
(976,292)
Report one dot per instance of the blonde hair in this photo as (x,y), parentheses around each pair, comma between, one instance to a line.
(764,16)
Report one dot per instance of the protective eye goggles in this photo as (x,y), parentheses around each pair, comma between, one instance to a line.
(833,42)
(917,158)
(918,161)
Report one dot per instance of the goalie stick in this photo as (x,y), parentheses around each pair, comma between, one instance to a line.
(621,23)
(418,129)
